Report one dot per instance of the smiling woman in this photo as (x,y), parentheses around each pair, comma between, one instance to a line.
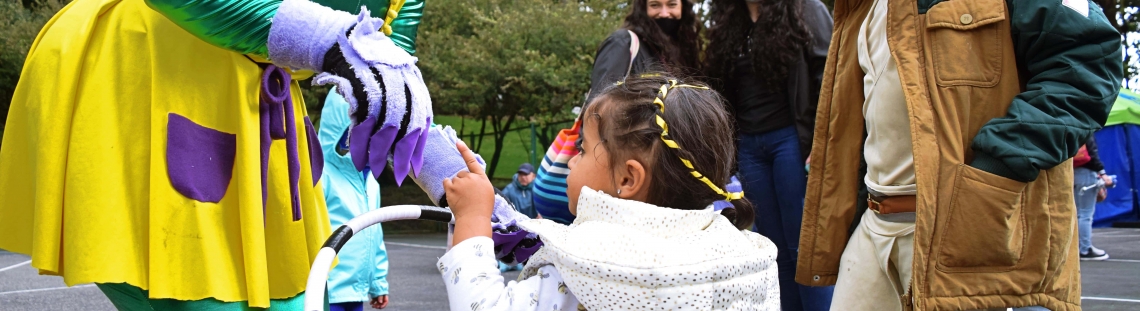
(660,9)
(668,31)
(657,36)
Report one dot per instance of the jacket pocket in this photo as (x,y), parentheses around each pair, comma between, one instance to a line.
(985,226)
(199,160)
(966,41)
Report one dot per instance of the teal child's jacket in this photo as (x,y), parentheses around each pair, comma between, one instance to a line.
(362,270)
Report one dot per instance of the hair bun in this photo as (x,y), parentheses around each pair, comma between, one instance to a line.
(729,213)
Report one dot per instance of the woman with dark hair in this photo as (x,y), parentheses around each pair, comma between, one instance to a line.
(766,57)
(667,31)
(661,36)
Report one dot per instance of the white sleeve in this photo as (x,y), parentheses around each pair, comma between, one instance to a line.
(473,282)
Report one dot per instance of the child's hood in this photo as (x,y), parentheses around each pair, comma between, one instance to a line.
(622,254)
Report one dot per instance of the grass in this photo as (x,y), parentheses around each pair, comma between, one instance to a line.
(516,146)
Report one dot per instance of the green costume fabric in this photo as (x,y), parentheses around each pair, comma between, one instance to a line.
(1075,69)
(243,25)
(130,298)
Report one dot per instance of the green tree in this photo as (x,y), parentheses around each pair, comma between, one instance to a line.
(508,62)
(20,22)
(1125,16)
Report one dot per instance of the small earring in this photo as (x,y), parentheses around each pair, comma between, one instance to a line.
(619,191)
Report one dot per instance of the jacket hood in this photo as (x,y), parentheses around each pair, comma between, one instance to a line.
(334,121)
(620,251)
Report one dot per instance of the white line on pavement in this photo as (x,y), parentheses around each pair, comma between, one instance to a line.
(1122,260)
(1118,235)
(416,245)
(15,266)
(45,289)
(1111,299)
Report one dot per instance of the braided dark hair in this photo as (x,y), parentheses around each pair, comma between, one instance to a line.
(697,121)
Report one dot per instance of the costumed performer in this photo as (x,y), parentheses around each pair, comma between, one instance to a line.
(153,149)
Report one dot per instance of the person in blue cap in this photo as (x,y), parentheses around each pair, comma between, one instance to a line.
(520,192)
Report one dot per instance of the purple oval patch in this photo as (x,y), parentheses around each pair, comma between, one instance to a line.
(199,160)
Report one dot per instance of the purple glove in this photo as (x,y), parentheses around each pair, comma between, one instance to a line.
(378,79)
(444,161)
(375,58)
(513,245)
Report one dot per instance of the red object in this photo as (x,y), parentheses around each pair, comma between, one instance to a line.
(1082,157)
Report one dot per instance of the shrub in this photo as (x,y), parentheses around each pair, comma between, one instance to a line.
(21,22)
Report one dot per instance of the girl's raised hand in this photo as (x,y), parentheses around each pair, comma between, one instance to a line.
(471,198)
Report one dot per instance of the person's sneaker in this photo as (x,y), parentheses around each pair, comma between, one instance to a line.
(1094,254)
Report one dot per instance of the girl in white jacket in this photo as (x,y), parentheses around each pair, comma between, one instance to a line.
(654,155)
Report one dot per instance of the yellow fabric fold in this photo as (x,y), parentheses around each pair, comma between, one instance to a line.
(83,169)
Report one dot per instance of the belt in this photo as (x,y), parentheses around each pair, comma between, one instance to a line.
(891,204)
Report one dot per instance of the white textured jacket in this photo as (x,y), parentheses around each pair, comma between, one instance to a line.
(622,255)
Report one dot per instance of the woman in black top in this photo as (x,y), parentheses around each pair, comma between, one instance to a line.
(766,57)
(668,32)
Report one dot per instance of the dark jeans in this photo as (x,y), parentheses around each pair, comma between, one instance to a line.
(347,306)
(773,177)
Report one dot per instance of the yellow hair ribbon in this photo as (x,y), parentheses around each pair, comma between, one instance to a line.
(660,102)
(393,11)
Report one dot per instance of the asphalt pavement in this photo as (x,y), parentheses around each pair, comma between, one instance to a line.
(1112,285)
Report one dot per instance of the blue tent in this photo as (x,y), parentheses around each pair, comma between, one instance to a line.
(1119,143)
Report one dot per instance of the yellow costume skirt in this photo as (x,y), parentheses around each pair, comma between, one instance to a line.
(95,188)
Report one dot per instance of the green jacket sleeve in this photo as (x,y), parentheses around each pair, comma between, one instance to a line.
(238,25)
(1075,67)
(243,25)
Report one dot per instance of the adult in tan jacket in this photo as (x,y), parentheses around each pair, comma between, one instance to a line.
(940,175)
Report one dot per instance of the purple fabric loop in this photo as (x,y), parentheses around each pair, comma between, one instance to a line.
(199,160)
(276,92)
(278,121)
(316,154)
